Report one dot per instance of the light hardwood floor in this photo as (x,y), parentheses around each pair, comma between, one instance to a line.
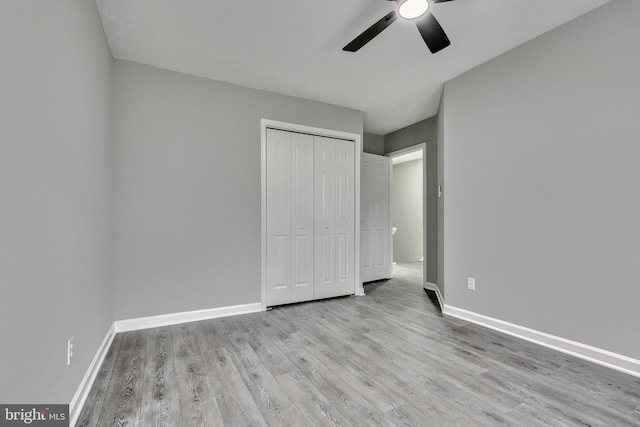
(388,358)
(409,272)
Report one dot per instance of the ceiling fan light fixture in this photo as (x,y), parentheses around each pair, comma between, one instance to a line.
(412,9)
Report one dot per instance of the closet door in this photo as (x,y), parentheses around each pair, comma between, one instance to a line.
(334,217)
(289,217)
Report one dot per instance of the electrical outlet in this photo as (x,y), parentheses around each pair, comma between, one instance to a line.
(69,350)
(471,283)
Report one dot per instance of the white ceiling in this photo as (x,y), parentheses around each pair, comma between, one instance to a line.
(295,47)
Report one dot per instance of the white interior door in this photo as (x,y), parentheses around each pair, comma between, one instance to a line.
(375,222)
(289,225)
(334,218)
(302,217)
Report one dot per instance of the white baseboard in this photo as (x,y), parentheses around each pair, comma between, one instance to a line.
(89,377)
(606,358)
(184,317)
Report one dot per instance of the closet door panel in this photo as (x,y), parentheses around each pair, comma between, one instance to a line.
(278,217)
(302,217)
(345,220)
(324,285)
(334,168)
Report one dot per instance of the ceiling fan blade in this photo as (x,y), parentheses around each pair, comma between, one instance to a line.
(371,32)
(441,1)
(432,33)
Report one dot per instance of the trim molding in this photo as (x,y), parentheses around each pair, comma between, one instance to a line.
(430,286)
(602,357)
(184,317)
(89,377)
(434,287)
(440,298)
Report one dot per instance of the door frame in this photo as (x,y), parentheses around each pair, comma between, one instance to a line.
(423,148)
(293,127)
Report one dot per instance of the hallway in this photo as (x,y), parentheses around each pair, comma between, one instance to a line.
(410,272)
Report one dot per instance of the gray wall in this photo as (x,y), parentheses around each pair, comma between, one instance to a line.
(407,211)
(423,131)
(55,269)
(373,143)
(187,187)
(542,199)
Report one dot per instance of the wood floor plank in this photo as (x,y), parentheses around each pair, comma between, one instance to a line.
(333,352)
(160,401)
(269,353)
(275,405)
(566,406)
(407,415)
(603,382)
(524,414)
(510,351)
(95,400)
(414,346)
(401,375)
(278,334)
(552,388)
(340,364)
(235,401)
(198,405)
(354,407)
(411,272)
(123,400)
(414,387)
(312,404)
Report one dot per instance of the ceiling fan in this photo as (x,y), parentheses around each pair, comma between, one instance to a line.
(416,10)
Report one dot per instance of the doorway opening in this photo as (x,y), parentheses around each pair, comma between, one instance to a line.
(408,207)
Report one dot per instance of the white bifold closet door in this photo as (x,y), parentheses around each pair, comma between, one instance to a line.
(290,205)
(310,217)
(334,217)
